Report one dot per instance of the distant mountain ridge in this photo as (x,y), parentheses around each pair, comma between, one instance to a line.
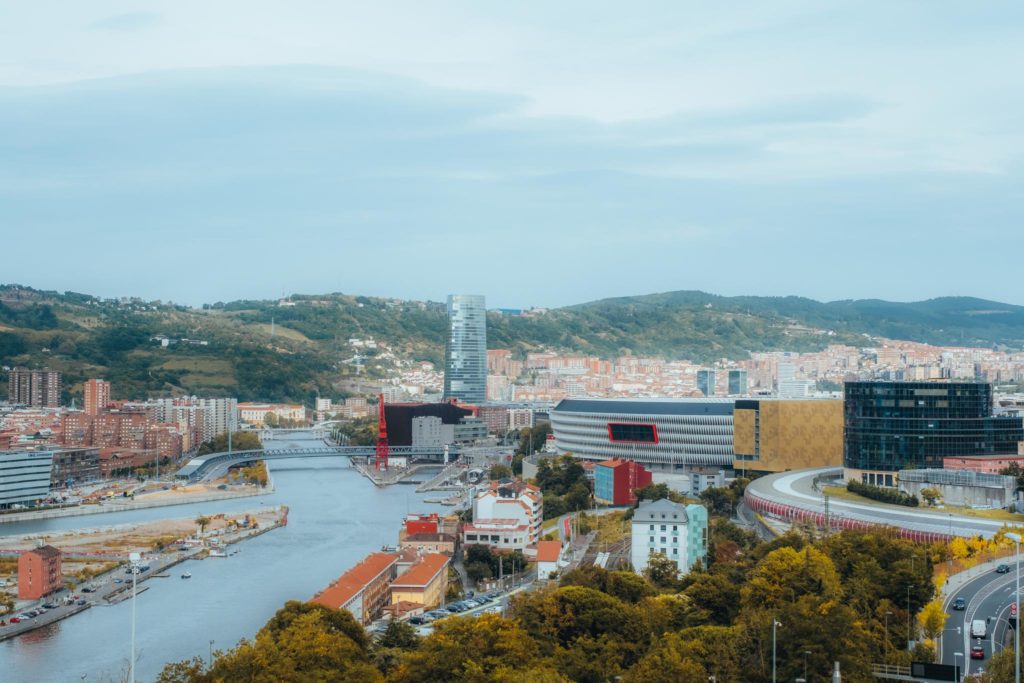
(261,349)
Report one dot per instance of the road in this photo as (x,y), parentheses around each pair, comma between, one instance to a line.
(793,494)
(988,598)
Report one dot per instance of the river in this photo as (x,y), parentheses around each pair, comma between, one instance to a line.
(336,517)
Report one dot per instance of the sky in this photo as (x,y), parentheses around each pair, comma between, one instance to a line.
(541,154)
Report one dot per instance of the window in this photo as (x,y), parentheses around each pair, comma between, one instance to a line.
(632,433)
(662,527)
(662,539)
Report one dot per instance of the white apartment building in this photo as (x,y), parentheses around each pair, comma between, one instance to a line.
(515,500)
(674,530)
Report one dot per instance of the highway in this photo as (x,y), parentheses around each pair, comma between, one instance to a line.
(792,495)
(988,598)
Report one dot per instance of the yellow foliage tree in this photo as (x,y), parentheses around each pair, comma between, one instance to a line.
(958,548)
(932,619)
(786,574)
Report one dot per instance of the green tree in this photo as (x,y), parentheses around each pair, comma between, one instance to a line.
(662,572)
(498,472)
(931,495)
(202,521)
(669,661)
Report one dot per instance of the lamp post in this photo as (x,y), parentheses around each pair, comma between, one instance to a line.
(806,654)
(955,655)
(909,636)
(775,625)
(888,613)
(1016,600)
(133,564)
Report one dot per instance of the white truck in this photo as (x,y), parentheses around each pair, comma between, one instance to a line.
(978,628)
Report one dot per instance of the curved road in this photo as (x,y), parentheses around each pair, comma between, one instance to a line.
(988,598)
(792,495)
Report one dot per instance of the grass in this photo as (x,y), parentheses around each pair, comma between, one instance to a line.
(285,332)
(997,515)
(200,366)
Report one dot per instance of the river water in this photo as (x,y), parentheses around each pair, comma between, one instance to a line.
(336,517)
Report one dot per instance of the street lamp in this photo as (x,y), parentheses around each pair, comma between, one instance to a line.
(955,655)
(1016,601)
(806,654)
(775,625)
(133,564)
(909,636)
(888,613)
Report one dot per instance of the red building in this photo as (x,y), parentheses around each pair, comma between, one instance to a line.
(422,524)
(616,480)
(97,396)
(39,573)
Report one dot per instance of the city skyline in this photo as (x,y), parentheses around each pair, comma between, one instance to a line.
(732,150)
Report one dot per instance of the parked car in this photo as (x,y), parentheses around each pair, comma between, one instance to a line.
(960,604)
(415,621)
(15,620)
(49,605)
(80,602)
(1003,569)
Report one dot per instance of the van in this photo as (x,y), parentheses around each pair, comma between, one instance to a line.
(978,628)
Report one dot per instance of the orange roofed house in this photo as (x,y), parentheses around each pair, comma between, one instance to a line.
(424,583)
(362,590)
(39,573)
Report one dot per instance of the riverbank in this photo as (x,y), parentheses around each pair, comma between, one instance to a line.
(114,586)
(143,503)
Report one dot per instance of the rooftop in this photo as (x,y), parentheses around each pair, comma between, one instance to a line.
(354,580)
(419,575)
(549,551)
(647,406)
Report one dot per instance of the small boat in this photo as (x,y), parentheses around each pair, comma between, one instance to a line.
(218,553)
(187,575)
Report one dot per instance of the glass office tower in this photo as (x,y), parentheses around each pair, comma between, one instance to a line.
(891,426)
(465,355)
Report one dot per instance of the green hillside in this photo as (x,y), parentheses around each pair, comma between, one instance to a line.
(259,350)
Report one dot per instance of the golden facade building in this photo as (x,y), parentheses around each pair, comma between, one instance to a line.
(777,435)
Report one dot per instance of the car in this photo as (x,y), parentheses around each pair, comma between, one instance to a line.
(977,652)
(415,621)
(87,589)
(1003,569)
(15,620)
(80,602)
(960,604)
(118,580)
(49,605)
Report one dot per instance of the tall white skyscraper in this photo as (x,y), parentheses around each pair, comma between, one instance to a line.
(465,356)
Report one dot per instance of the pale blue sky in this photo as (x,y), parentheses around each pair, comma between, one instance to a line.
(539,154)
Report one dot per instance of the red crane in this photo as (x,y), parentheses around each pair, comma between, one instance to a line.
(382,436)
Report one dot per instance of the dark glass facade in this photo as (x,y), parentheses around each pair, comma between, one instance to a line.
(905,425)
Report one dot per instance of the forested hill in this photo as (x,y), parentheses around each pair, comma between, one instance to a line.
(272,351)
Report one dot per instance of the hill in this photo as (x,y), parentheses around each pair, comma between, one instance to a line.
(262,350)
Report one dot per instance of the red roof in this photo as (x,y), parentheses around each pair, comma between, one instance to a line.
(354,580)
(613,463)
(419,575)
(548,551)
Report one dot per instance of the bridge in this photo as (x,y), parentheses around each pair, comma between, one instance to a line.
(215,465)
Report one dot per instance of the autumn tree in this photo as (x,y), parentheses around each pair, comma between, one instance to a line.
(932,619)
(669,661)
(662,572)
(488,648)
(786,574)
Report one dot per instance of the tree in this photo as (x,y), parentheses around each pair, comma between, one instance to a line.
(202,521)
(399,634)
(669,660)
(932,619)
(482,649)
(498,472)
(662,572)
(930,495)
(301,642)
(787,574)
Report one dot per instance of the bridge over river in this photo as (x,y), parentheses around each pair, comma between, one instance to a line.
(215,465)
